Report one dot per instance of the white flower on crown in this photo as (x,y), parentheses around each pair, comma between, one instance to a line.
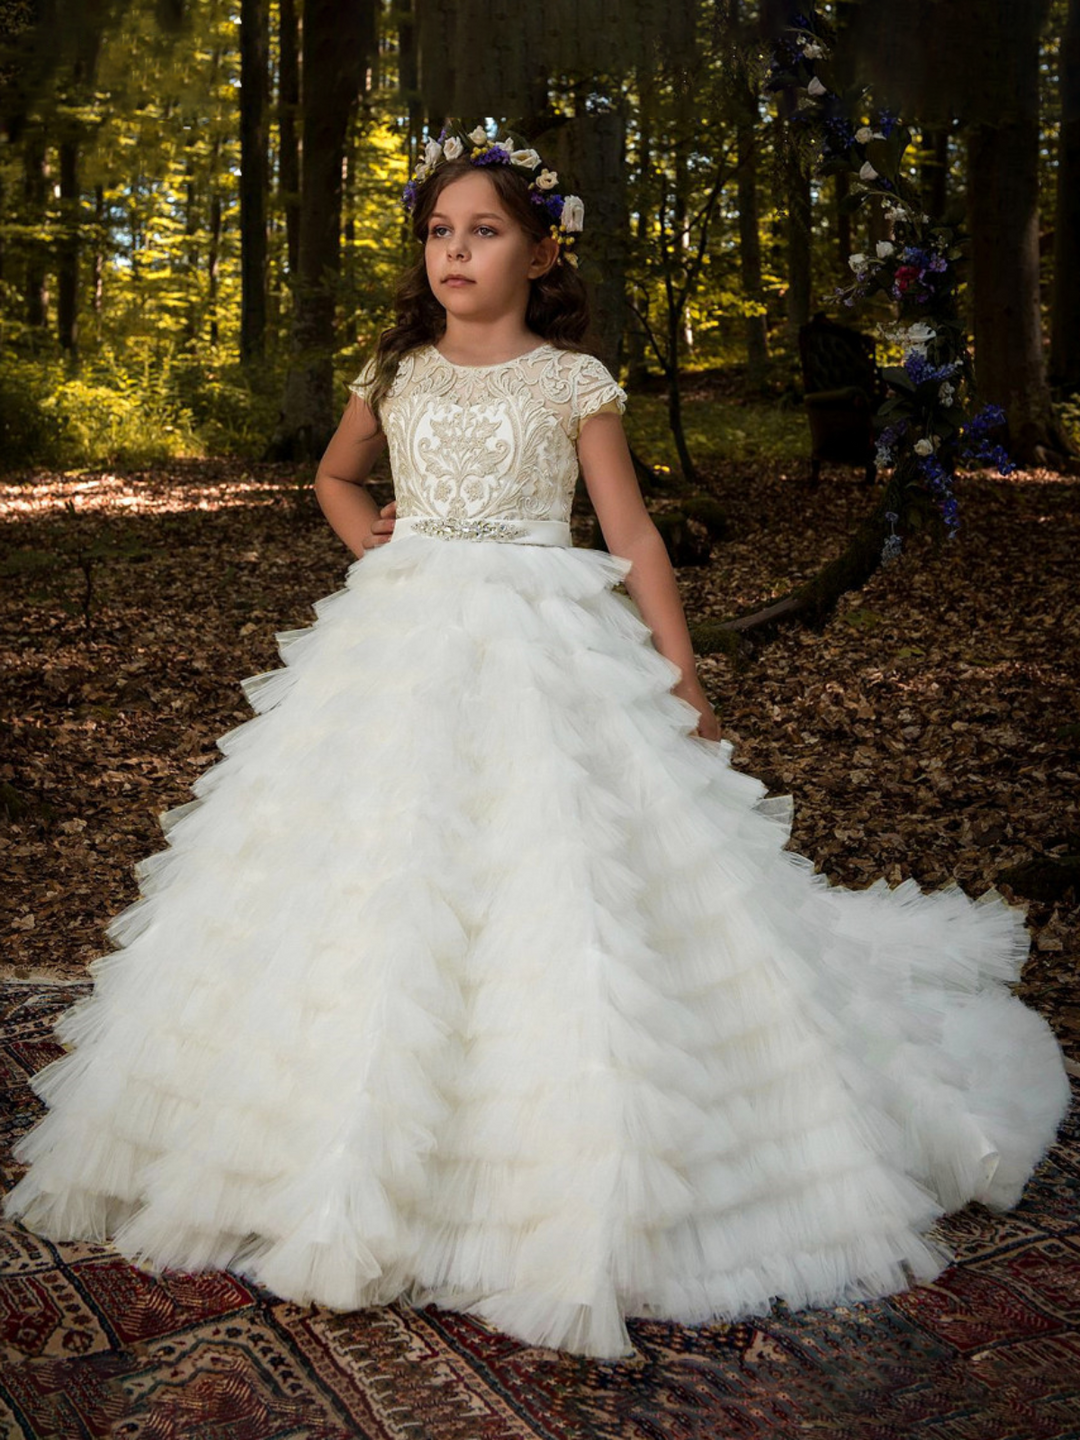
(527,159)
(422,171)
(503,145)
(432,153)
(478,136)
(452,148)
(573,213)
(547,179)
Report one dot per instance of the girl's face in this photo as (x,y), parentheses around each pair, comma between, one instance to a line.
(479,260)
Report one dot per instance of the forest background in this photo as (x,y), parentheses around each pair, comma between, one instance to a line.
(200,222)
(200,229)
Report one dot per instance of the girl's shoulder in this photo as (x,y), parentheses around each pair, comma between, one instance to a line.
(580,384)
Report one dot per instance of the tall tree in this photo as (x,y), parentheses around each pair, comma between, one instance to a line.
(908,50)
(288,109)
(1065,314)
(254,102)
(336,43)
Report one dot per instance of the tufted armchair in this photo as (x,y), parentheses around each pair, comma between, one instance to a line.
(843,390)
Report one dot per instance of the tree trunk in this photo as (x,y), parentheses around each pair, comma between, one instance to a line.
(98,260)
(335,44)
(67,249)
(795,179)
(35,202)
(213,253)
(756,330)
(1003,193)
(254,101)
(592,148)
(1003,218)
(844,247)
(1065,313)
(934,171)
(288,147)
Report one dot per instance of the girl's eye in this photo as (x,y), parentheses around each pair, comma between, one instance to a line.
(435,231)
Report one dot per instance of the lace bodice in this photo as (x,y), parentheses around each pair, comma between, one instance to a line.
(490,442)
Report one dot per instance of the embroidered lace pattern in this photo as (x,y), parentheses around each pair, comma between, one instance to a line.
(490,442)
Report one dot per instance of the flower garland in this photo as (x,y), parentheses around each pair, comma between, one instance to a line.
(567,214)
(929,429)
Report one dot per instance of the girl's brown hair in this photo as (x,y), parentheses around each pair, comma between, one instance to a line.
(558,306)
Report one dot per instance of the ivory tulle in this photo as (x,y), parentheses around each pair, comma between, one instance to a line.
(472,976)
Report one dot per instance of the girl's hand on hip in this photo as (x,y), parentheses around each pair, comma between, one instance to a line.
(382,529)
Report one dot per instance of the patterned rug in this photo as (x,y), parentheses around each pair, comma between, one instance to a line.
(94,1348)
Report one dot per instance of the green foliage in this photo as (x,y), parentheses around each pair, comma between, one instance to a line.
(109,415)
(717,430)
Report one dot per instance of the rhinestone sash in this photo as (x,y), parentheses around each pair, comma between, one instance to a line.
(515,532)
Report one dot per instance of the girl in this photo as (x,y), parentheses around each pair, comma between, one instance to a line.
(474,974)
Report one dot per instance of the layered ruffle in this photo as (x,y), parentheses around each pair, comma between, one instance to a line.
(471,974)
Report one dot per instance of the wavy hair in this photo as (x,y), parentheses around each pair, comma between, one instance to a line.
(558,308)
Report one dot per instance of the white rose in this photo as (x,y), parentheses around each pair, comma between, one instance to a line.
(478,136)
(503,145)
(528,159)
(547,179)
(422,171)
(573,213)
(924,447)
(920,333)
(452,148)
(432,152)
(867,172)
(813,51)
(857,263)
(864,134)
(947,394)
(884,249)
(816,88)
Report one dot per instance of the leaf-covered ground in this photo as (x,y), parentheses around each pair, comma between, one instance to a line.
(930,730)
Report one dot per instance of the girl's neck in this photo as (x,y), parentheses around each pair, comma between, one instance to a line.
(485,345)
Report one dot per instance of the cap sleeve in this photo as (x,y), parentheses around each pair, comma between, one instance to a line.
(361,386)
(595,389)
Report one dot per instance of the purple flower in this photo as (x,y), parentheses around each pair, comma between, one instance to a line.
(919,369)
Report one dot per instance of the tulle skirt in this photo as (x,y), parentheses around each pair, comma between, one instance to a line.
(472,976)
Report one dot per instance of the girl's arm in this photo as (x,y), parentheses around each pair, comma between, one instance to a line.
(339,481)
(629,531)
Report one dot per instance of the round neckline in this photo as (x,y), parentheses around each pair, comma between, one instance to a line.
(498,365)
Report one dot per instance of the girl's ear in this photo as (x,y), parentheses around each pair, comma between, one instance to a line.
(544,257)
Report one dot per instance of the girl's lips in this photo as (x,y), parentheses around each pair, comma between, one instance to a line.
(456,280)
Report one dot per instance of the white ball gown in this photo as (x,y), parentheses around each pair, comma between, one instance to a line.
(472,976)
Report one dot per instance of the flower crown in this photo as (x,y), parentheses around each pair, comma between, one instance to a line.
(566,214)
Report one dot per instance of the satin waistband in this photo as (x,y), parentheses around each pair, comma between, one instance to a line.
(512,532)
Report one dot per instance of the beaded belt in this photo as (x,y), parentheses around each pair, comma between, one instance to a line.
(515,532)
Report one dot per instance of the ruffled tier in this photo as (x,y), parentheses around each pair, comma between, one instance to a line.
(472,975)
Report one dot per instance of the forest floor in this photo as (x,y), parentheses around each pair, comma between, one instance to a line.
(929,730)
